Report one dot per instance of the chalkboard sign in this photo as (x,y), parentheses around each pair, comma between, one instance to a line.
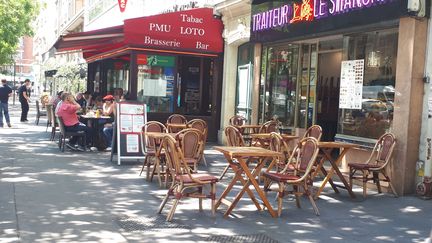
(127,139)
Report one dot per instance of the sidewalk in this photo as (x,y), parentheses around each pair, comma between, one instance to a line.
(49,196)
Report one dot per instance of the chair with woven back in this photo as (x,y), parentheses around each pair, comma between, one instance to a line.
(297,173)
(150,146)
(234,138)
(376,164)
(201,125)
(175,119)
(49,115)
(314,131)
(267,127)
(184,181)
(277,144)
(190,141)
(39,113)
(53,122)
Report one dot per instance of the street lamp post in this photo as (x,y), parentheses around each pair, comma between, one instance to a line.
(14,82)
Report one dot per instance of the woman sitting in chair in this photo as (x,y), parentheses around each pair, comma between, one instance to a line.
(67,112)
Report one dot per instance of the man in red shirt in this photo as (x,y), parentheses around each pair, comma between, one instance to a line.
(67,112)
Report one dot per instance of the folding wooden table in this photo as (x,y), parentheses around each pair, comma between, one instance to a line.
(325,149)
(237,159)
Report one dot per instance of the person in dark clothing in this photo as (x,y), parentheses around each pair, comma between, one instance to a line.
(24,99)
(5,93)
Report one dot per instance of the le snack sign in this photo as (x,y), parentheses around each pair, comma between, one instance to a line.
(122,5)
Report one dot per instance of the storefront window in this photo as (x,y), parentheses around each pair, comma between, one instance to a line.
(377,51)
(118,78)
(244,81)
(156,82)
(278,93)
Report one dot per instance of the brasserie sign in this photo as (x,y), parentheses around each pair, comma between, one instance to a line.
(195,30)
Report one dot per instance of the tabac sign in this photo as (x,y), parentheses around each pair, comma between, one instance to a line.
(289,19)
(189,30)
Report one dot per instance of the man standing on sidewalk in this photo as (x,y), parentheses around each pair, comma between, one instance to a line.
(24,99)
(5,92)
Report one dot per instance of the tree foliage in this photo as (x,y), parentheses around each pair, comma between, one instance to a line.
(16,17)
(71,77)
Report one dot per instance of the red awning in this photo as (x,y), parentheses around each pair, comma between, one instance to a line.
(91,40)
(193,31)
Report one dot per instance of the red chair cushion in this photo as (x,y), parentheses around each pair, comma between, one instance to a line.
(201,176)
(362,166)
(280,177)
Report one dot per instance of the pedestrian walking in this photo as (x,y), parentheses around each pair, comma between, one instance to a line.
(5,93)
(23,93)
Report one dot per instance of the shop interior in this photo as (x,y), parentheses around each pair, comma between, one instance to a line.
(301,84)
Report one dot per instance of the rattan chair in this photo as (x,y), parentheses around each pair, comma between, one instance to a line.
(314,131)
(376,164)
(39,113)
(190,141)
(298,176)
(175,119)
(233,138)
(267,127)
(185,183)
(201,125)
(150,146)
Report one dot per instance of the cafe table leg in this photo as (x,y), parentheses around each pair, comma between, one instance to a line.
(335,168)
(256,185)
(238,177)
(246,184)
(327,155)
(341,177)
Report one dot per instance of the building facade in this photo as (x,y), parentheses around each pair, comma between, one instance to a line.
(171,61)
(353,67)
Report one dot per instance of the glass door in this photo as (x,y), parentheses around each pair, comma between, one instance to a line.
(306,99)
(280,88)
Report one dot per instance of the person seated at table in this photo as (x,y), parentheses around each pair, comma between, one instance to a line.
(88,98)
(108,106)
(55,100)
(98,103)
(80,100)
(67,112)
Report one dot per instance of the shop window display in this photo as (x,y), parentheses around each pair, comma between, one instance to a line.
(117,78)
(378,51)
(156,82)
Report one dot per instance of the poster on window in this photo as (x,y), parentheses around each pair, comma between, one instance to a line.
(351,84)
(155,87)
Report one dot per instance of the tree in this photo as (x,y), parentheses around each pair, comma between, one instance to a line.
(71,77)
(16,17)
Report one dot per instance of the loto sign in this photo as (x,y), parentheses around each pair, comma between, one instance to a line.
(189,30)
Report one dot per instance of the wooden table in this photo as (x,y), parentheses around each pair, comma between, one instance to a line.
(158,151)
(240,154)
(285,137)
(249,127)
(325,149)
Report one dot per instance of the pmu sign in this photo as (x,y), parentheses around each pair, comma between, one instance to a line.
(189,30)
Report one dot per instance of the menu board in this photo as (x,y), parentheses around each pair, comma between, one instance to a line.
(351,84)
(131,117)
